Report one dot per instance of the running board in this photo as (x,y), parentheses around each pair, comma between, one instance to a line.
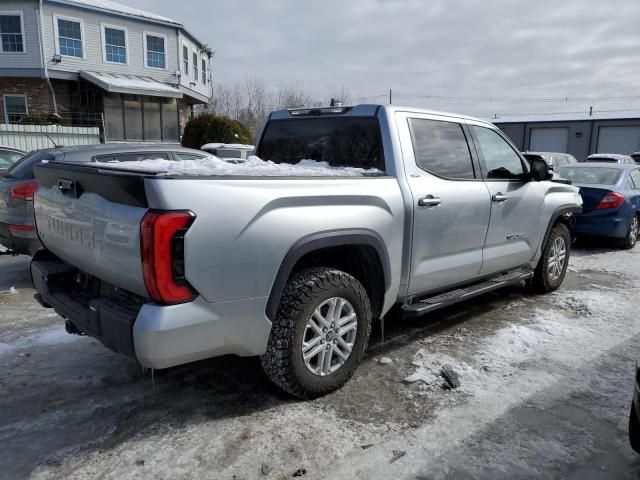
(431,304)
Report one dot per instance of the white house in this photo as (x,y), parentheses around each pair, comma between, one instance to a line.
(100,61)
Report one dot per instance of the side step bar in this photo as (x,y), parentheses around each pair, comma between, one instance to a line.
(430,304)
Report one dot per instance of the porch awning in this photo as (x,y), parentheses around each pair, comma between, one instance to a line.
(132,84)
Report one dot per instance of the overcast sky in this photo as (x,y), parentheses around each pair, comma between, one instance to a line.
(462,48)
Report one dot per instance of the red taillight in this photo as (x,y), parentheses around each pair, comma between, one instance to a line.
(162,235)
(611,200)
(25,192)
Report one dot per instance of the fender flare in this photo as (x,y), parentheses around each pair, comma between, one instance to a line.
(319,241)
(559,212)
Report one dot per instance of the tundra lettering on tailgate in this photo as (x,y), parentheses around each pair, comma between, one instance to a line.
(75,233)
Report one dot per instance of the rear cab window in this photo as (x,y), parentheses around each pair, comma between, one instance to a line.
(441,148)
(339,141)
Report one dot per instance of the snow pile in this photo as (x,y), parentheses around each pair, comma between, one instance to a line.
(215,146)
(253,166)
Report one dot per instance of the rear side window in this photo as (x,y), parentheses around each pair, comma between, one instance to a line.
(441,148)
(635,178)
(189,156)
(339,141)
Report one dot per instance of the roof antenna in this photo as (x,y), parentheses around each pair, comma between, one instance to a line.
(55,145)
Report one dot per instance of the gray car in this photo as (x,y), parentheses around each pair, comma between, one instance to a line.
(18,184)
(611,158)
(391,206)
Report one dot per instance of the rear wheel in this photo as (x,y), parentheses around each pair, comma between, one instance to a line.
(320,333)
(552,267)
(634,429)
(629,241)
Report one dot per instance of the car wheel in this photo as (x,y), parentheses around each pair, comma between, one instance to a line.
(552,266)
(634,429)
(629,241)
(320,333)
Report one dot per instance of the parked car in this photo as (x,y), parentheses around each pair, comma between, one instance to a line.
(229,150)
(610,158)
(290,268)
(9,156)
(636,157)
(611,200)
(553,159)
(634,415)
(17,185)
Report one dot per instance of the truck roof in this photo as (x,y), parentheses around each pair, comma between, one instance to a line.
(366,110)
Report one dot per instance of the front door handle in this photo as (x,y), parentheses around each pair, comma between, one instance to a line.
(429,201)
(499,197)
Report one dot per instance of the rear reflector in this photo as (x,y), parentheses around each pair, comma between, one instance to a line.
(162,245)
(25,192)
(23,231)
(611,200)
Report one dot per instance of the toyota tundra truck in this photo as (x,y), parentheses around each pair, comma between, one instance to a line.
(174,268)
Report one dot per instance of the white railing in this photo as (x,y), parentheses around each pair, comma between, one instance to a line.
(33,137)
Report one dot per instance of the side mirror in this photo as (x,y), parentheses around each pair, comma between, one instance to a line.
(539,170)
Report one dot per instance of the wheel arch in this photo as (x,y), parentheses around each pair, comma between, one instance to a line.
(562,214)
(359,252)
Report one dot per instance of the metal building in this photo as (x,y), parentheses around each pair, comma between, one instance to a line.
(577,134)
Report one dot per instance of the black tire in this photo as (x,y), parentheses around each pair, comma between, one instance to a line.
(543,281)
(634,429)
(283,361)
(629,241)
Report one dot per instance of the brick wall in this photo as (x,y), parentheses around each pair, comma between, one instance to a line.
(39,98)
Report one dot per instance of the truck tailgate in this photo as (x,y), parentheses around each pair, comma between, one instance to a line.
(90,218)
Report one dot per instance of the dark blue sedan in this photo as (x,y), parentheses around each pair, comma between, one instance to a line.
(611,200)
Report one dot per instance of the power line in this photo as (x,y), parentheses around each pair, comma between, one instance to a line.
(505,99)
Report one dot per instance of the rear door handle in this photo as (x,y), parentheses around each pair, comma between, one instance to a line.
(429,201)
(499,197)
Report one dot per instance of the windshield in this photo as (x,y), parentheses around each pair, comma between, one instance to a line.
(23,168)
(591,175)
(341,142)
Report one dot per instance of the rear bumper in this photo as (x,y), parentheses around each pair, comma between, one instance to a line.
(158,336)
(22,241)
(594,224)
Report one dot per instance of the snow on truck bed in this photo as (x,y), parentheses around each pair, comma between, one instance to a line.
(253,166)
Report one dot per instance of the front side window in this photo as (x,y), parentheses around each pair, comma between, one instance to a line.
(339,141)
(115,45)
(11,39)
(185,60)
(441,148)
(15,108)
(155,51)
(204,71)
(196,75)
(500,160)
(70,38)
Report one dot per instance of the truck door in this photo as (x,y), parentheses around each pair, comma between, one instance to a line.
(451,203)
(516,226)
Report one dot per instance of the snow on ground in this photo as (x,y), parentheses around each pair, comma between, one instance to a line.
(253,166)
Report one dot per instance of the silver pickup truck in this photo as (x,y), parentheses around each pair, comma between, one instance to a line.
(170,269)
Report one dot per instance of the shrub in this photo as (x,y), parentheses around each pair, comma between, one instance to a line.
(40,119)
(209,128)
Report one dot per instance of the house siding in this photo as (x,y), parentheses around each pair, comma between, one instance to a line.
(93,45)
(31,58)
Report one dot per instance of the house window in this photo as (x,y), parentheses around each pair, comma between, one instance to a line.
(204,71)
(155,46)
(15,108)
(196,75)
(70,38)
(136,117)
(11,32)
(115,44)
(185,60)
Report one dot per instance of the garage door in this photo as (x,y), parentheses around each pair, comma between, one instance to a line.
(549,140)
(624,140)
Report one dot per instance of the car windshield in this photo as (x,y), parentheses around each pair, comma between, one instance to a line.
(591,175)
(23,168)
(341,142)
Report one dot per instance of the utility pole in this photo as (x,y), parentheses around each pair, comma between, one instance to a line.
(390,97)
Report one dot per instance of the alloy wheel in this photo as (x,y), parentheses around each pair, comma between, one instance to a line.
(557,257)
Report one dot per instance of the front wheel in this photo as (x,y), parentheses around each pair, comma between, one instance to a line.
(552,267)
(320,332)
(634,429)
(629,241)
